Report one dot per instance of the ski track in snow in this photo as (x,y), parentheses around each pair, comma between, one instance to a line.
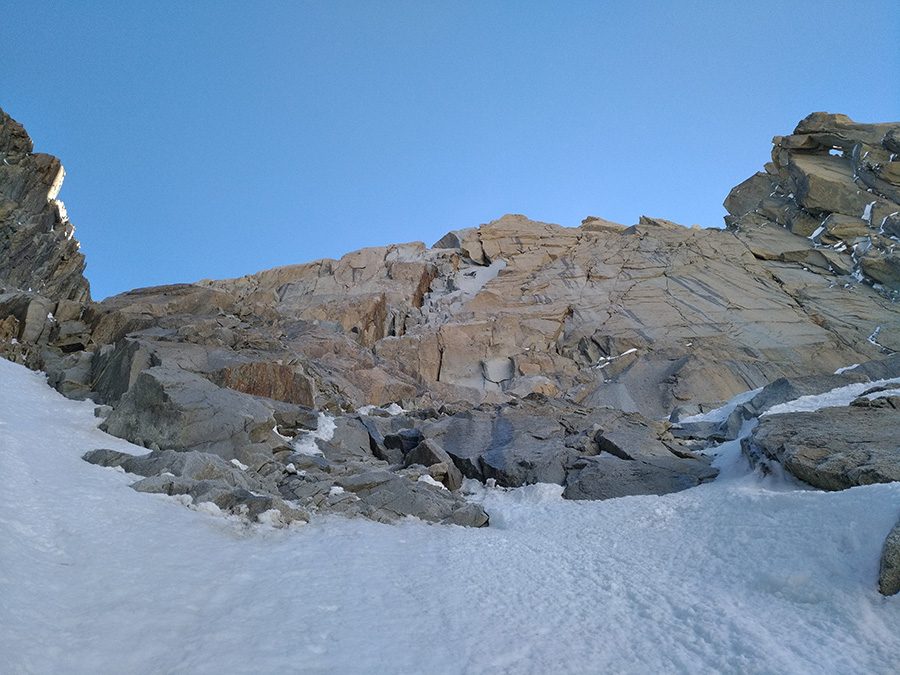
(746,574)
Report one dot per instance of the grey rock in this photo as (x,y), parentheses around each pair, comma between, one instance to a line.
(106,457)
(204,477)
(833,448)
(303,462)
(351,440)
(697,430)
(228,498)
(70,375)
(511,446)
(429,454)
(177,410)
(400,497)
(883,369)
(291,419)
(114,368)
(37,250)
(468,515)
(784,390)
(887,401)
(837,182)
(390,437)
(889,574)
(539,441)
(608,477)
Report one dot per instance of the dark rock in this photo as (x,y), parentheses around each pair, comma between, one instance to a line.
(784,390)
(106,457)
(608,477)
(115,367)
(889,575)
(174,409)
(531,443)
(37,250)
(512,446)
(390,437)
(429,454)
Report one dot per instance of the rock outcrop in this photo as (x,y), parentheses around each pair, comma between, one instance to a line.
(834,448)
(889,573)
(37,251)
(42,286)
(512,353)
(836,183)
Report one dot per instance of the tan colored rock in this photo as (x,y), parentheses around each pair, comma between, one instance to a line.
(272,380)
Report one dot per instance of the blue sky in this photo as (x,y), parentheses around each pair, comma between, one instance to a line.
(216,139)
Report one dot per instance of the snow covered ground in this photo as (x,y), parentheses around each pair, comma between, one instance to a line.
(744,575)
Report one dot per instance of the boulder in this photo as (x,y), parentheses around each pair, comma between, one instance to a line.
(511,446)
(608,477)
(173,409)
(441,467)
(889,574)
(549,441)
(389,496)
(833,448)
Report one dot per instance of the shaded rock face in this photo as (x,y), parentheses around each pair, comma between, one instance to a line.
(37,251)
(174,409)
(42,288)
(518,351)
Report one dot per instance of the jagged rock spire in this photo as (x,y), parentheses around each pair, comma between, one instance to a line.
(37,249)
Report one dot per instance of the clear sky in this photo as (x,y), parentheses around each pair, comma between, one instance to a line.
(216,139)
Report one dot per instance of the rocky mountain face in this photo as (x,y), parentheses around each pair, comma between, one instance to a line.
(514,352)
(37,251)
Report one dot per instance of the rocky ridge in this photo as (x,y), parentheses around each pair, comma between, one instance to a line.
(511,353)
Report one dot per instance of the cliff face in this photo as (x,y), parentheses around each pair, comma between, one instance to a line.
(521,351)
(42,284)
(37,250)
(644,318)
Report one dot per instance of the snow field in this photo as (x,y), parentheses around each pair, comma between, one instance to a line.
(746,574)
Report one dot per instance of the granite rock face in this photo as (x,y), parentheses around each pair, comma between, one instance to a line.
(515,352)
(837,183)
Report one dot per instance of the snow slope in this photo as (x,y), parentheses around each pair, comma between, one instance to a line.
(746,574)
